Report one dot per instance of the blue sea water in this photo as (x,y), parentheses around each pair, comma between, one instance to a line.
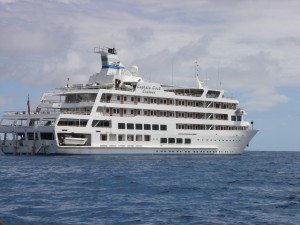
(254,188)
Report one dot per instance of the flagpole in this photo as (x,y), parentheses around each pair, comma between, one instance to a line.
(28,105)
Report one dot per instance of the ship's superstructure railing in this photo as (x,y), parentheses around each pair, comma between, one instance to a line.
(32,113)
(100,49)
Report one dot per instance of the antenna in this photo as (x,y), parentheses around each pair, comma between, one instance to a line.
(196,75)
(219,80)
(172,73)
(196,68)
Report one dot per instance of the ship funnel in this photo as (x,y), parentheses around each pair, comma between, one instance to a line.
(111,66)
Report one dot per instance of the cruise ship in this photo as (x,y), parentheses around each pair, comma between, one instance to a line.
(118,113)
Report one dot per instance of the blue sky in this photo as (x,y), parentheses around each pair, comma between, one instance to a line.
(252,47)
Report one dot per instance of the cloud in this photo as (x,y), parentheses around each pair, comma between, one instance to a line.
(251,47)
(264,99)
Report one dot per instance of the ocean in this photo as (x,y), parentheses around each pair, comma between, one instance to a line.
(253,188)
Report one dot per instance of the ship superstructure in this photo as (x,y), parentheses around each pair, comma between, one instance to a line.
(117,113)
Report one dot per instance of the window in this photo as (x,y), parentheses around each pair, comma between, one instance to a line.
(47,136)
(72,122)
(147,137)
(116,110)
(155,127)
(153,112)
(139,137)
(180,126)
(171,140)
(121,125)
(105,97)
(187,141)
(147,127)
(163,140)
(180,102)
(139,126)
(179,140)
(181,114)
(212,94)
(163,127)
(121,137)
(103,137)
(130,126)
(101,123)
(130,137)
(30,136)
(153,100)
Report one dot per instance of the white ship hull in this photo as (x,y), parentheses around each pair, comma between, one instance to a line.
(222,145)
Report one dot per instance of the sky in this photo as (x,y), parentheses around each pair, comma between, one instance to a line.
(249,48)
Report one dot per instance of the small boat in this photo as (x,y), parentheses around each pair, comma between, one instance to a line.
(72,141)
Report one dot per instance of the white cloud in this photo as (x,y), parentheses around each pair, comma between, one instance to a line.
(254,45)
(264,99)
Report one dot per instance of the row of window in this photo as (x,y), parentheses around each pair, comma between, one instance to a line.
(166,101)
(182,126)
(30,136)
(123,137)
(175,141)
(160,113)
(72,122)
(139,126)
(187,151)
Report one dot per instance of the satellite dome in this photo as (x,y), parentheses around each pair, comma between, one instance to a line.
(134,69)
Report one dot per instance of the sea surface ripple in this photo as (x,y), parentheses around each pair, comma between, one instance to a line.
(254,188)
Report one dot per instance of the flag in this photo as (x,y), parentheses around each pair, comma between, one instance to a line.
(28,105)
